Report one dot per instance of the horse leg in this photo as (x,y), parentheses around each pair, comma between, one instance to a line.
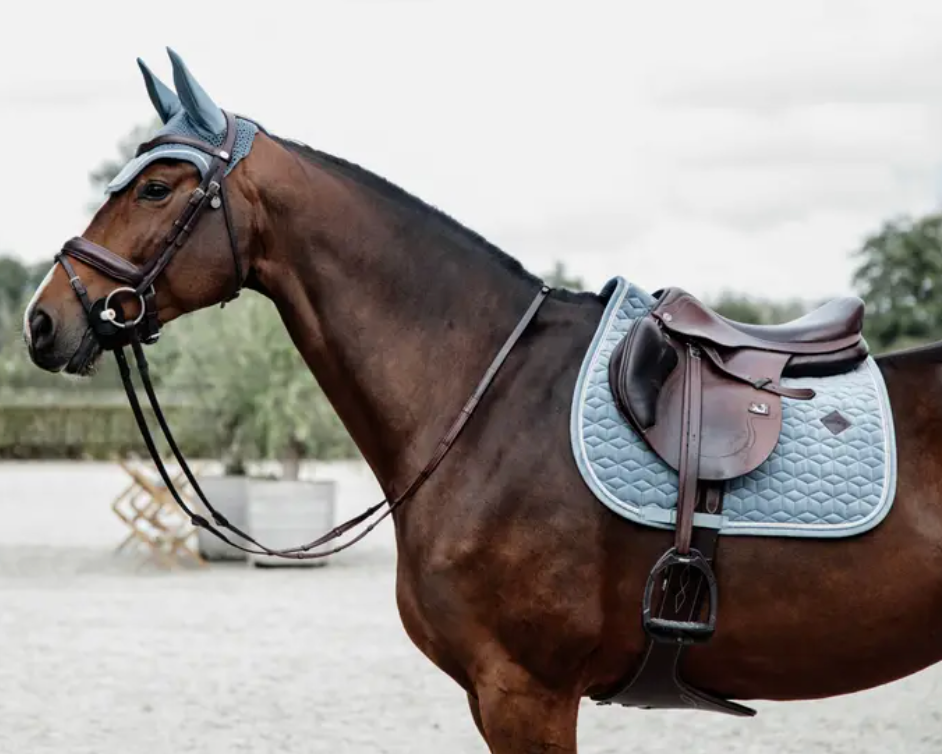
(519,716)
(476,714)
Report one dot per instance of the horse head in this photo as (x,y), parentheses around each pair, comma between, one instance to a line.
(124,277)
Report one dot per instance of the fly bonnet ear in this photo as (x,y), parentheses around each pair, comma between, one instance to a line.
(205,114)
(165,101)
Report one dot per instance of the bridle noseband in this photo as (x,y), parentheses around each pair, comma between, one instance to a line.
(113,333)
(104,317)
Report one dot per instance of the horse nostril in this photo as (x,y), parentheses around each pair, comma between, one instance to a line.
(42,330)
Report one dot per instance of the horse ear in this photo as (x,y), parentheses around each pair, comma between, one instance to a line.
(202,110)
(166,102)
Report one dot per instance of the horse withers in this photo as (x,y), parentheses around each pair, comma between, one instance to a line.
(512,577)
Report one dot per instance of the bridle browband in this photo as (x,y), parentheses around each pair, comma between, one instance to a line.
(113,333)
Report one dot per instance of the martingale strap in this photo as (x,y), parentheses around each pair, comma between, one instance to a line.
(301,552)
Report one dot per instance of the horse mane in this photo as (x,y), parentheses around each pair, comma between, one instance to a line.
(400,196)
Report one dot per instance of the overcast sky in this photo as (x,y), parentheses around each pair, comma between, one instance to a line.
(711,145)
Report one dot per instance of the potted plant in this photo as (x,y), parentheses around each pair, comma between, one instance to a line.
(254,401)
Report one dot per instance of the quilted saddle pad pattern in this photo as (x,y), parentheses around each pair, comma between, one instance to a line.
(832,474)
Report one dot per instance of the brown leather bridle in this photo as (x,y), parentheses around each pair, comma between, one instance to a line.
(113,333)
(106,319)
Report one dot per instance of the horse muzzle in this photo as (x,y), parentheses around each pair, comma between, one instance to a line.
(50,346)
(112,325)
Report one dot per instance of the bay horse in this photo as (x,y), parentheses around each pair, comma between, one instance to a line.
(511,577)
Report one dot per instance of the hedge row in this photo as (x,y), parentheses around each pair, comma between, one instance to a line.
(88,431)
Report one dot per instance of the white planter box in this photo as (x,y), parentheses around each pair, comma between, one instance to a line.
(228,495)
(283,514)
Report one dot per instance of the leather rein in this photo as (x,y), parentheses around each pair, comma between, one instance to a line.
(114,333)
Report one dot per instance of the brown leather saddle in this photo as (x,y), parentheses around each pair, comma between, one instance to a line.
(705,393)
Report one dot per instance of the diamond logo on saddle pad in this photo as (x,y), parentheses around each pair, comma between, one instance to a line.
(836,422)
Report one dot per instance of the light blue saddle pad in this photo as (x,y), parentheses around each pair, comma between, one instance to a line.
(815,484)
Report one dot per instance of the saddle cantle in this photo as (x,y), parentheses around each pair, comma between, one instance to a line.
(705,393)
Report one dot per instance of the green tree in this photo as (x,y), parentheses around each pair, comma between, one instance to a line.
(14,280)
(253,397)
(757,311)
(739,308)
(560,277)
(101,176)
(899,276)
(18,281)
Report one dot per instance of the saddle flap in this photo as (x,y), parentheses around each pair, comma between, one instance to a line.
(740,424)
(640,366)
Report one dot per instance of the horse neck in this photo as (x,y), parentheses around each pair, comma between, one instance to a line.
(396,310)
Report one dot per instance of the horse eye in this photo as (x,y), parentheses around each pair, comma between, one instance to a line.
(154,192)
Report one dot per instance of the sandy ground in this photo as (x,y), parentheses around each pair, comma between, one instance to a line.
(99,655)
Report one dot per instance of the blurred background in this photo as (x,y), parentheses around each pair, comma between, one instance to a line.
(763,156)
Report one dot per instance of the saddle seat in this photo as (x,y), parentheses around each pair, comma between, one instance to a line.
(823,342)
(838,318)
